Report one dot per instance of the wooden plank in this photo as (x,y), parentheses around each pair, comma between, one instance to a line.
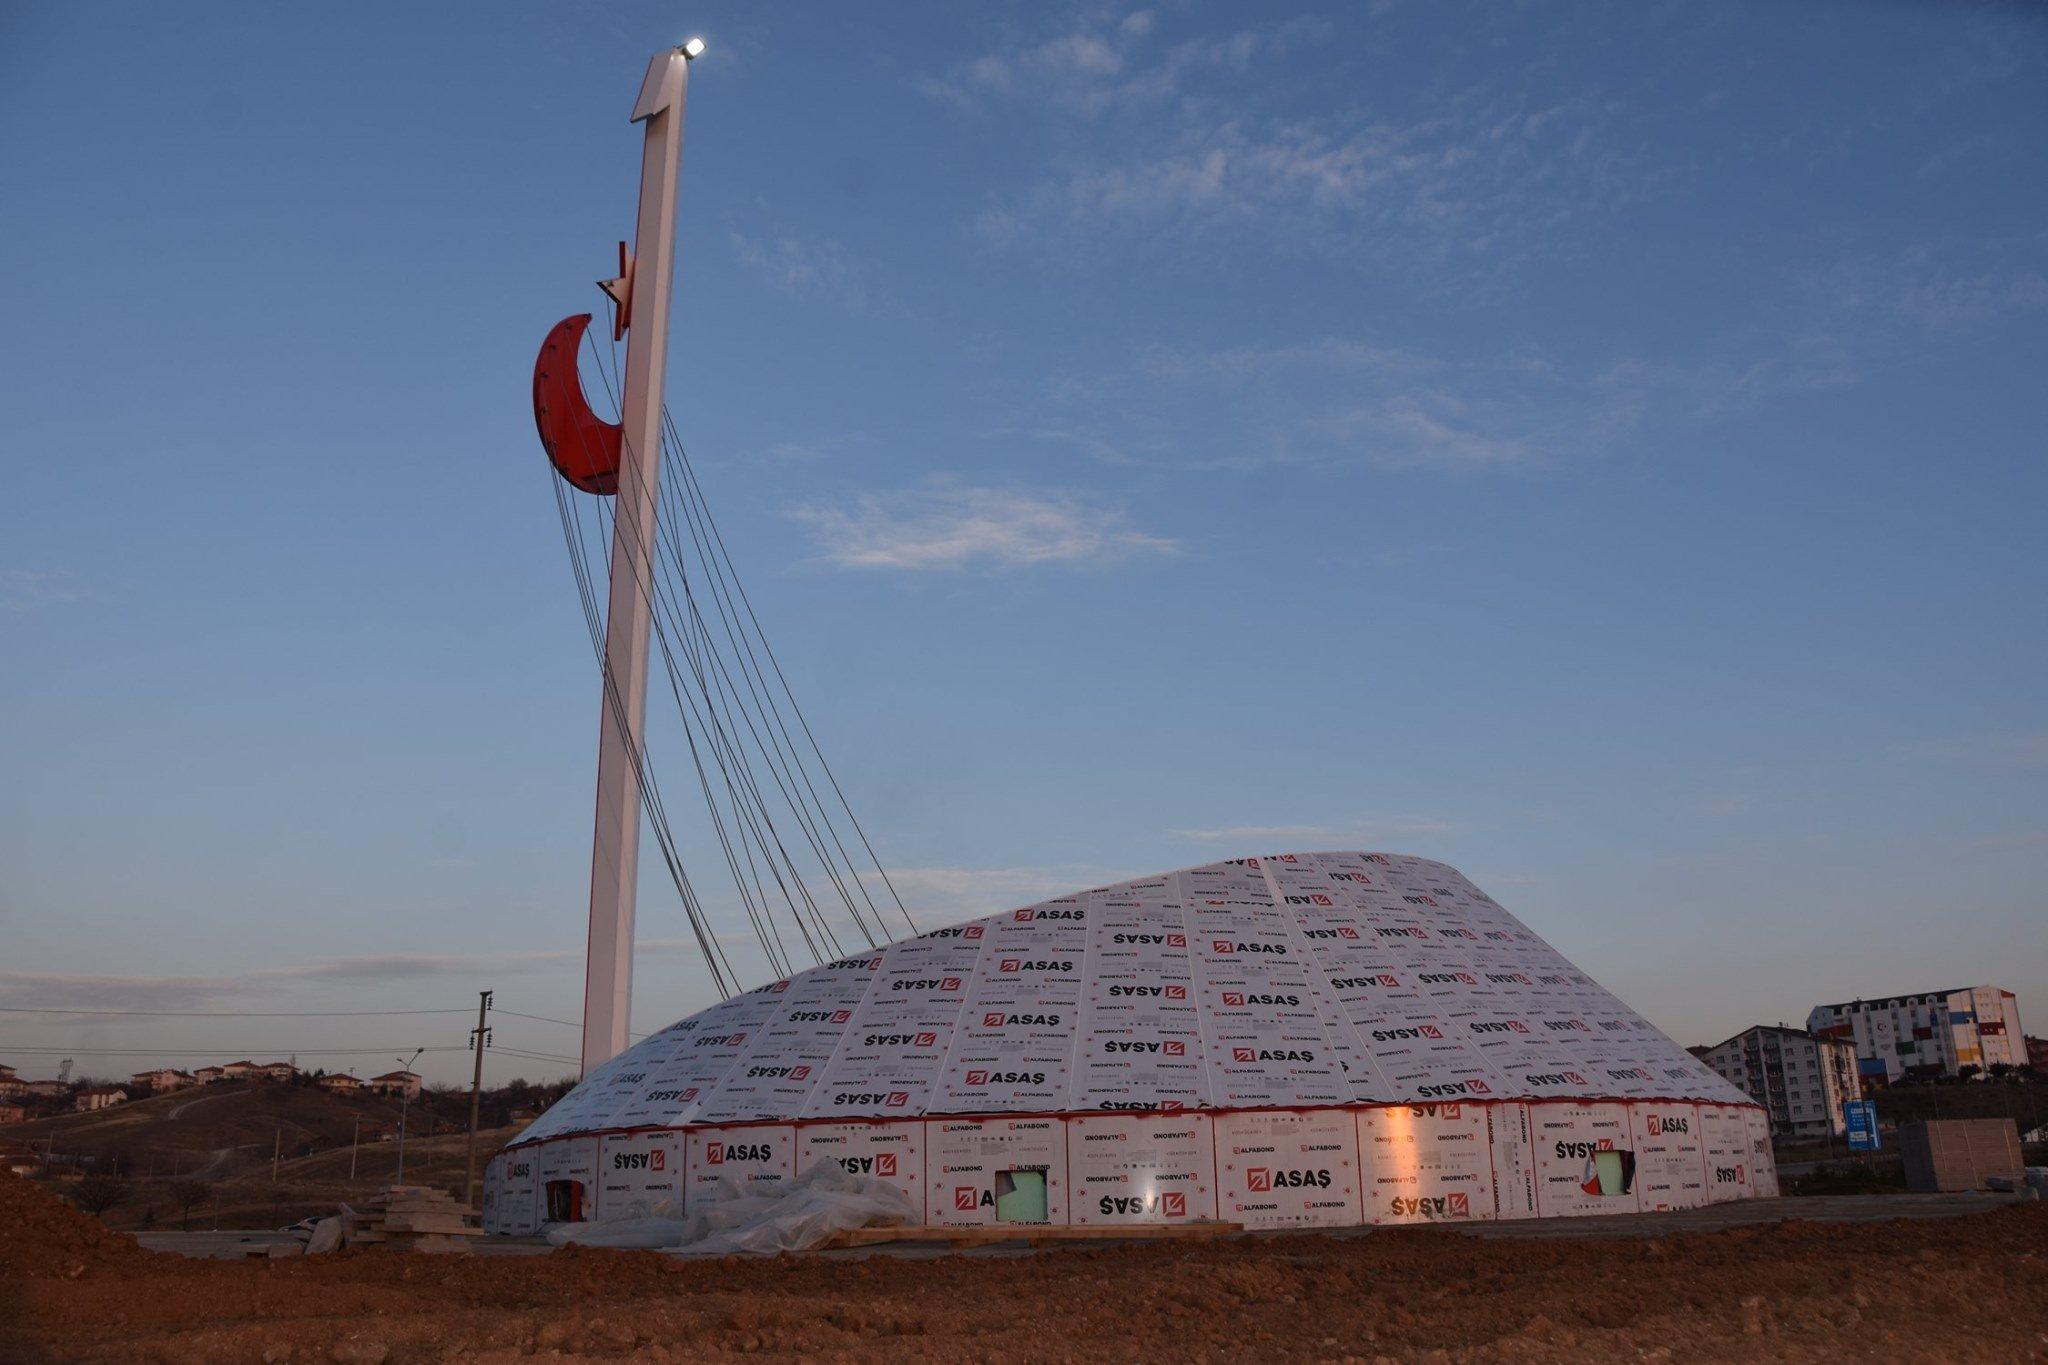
(1033,1233)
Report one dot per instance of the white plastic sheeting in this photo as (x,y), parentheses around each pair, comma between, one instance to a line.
(733,1217)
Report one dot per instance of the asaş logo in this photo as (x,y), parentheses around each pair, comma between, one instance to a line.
(1224,947)
(654,1159)
(1661,1125)
(997,1019)
(1581,1151)
(977,1079)
(1168,1203)
(1438,1206)
(724,1153)
(1264,1180)
(1348,983)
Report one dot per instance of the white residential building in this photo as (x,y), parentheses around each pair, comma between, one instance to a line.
(1927,1033)
(1803,1081)
(405,1084)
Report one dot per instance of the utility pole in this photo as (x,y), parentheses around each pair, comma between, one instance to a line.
(276,1151)
(355,1142)
(479,1039)
(405,1107)
(641,294)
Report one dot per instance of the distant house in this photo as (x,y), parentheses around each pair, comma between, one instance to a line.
(402,1083)
(12,1113)
(162,1080)
(10,1084)
(48,1090)
(207,1075)
(278,1071)
(240,1071)
(99,1097)
(339,1084)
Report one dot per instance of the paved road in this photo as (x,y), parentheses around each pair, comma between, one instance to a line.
(1845,1208)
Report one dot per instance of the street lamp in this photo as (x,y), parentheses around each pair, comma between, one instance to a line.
(404,1105)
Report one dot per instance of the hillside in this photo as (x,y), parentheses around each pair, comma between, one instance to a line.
(222,1137)
(218,1128)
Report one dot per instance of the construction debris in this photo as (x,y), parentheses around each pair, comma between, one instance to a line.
(411,1218)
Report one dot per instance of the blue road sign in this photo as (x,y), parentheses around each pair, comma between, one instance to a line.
(1860,1121)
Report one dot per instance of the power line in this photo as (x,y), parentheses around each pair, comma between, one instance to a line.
(537,1018)
(228,1014)
(188,1051)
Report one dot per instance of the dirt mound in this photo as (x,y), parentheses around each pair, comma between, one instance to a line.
(1958,1289)
(42,1237)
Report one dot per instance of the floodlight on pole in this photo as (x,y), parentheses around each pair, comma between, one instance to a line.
(404,1105)
(694,48)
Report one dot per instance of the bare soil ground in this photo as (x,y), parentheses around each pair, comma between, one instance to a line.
(1960,1289)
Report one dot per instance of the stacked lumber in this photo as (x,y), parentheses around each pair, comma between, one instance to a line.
(414,1218)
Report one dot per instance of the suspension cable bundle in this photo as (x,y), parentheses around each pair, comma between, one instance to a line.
(741,722)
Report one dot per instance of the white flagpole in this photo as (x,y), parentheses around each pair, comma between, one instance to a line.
(615,851)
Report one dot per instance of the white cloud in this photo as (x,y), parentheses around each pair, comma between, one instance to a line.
(803,270)
(87,990)
(25,590)
(1106,62)
(948,527)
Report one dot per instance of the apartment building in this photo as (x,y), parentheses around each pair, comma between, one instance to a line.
(1926,1033)
(1802,1081)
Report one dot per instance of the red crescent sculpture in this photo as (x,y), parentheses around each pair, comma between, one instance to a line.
(583,446)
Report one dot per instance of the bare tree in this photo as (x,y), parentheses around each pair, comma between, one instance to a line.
(98,1193)
(189,1195)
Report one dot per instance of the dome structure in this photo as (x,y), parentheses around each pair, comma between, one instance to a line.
(1291,1040)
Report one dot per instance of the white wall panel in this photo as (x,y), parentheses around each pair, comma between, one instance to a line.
(966,1158)
(1425,1163)
(1285,1169)
(755,1158)
(639,1175)
(891,1152)
(1141,1168)
(1566,1138)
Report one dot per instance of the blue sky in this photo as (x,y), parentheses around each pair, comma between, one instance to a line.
(1600,446)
